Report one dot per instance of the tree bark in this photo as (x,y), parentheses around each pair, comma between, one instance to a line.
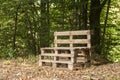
(45,28)
(84,4)
(94,19)
(15,29)
(105,24)
(62,10)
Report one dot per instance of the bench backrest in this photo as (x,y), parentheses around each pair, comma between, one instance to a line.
(73,38)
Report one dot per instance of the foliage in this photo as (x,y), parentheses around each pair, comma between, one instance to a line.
(8,53)
(114,54)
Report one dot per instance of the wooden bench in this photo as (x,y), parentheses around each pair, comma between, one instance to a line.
(70,47)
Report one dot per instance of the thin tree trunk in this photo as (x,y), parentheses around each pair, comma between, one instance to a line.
(45,29)
(62,10)
(76,14)
(31,35)
(105,24)
(84,4)
(15,29)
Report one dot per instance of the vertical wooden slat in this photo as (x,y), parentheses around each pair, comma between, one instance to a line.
(55,39)
(70,66)
(40,57)
(72,53)
(71,38)
(40,62)
(55,59)
(89,44)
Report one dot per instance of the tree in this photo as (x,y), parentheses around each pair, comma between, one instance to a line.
(96,7)
(45,25)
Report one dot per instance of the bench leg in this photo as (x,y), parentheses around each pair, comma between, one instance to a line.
(54,65)
(40,63)
(70,66)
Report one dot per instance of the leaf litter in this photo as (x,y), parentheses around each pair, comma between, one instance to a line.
(26,70)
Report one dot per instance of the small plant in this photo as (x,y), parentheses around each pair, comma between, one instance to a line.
(7,53)
(10,52)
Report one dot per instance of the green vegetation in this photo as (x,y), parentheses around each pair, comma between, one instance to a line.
(28,25)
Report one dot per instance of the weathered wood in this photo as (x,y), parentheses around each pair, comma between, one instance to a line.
(52,61)
(70,66)
(65,33)
(71,44)
(83,41)
(67,55)
(60,55)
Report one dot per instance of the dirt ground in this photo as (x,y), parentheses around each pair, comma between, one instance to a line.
(29,70)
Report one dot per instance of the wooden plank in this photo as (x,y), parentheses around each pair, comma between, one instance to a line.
(81,32)
(64,62)
(63,48)
(52,61)
(47,48)
(84,32)
(71,37)
(69,48)
(89,45)
(81,61)
(81,55)
(63,41)
(81,41)
(47,61)
(55,58)
(65,33)
(70,66)
(59,55)
(55,40)
(42,51)
(89,36)
(40,63)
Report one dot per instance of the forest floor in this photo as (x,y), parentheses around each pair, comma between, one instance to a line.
(28,69)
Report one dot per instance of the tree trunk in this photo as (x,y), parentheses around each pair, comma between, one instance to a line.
(94,18)
(84,4)
(45,28)
(15,29)
(105,24)
(62,10)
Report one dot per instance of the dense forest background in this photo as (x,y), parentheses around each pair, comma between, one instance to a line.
(28,25)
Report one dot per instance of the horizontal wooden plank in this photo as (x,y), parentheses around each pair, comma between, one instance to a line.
(81,32)
(81,55)
(59,55)
(64,48)
(52,61)
(47,48)
(81,61)
(62,41)
(69,48)
(65,33)
(81,41)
